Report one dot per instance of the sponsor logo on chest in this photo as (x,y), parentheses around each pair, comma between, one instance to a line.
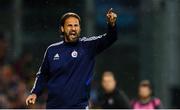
(56,56)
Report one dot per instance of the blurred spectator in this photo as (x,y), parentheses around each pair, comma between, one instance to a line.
(15,79)
(3,101)
(112,98)
(23,66)
(145,99)
(13,90)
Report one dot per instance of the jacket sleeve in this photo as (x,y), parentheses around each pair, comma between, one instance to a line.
(99,43)
(41,76)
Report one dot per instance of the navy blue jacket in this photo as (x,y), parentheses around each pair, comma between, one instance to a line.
(67,70)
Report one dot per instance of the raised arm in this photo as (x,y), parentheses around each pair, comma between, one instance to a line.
(98,43)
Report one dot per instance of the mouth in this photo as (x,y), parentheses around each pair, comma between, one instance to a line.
(73,35)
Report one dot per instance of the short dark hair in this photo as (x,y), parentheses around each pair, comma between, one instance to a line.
(67,15)
(145,83)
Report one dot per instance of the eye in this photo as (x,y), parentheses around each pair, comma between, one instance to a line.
(69,25)
(76,25)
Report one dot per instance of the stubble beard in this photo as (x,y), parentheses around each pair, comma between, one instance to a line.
(71,36)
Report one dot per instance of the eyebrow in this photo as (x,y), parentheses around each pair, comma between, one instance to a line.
(73,24)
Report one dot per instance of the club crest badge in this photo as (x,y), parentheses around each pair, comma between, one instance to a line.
(74,54)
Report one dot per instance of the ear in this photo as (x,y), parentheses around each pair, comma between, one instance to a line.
(62,29)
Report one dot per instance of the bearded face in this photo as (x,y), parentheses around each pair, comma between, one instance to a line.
(71,29)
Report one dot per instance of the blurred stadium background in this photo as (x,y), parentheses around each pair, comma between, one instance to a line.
(147,48)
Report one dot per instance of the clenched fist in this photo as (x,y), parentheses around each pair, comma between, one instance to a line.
(31,99)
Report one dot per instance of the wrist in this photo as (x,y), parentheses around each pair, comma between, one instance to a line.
(33,94)
(111,25)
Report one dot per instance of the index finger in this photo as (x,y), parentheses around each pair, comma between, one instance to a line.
(110,10)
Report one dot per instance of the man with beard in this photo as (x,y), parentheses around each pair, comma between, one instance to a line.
(67,67)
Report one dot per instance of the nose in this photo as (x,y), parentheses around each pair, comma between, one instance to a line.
(73,28)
